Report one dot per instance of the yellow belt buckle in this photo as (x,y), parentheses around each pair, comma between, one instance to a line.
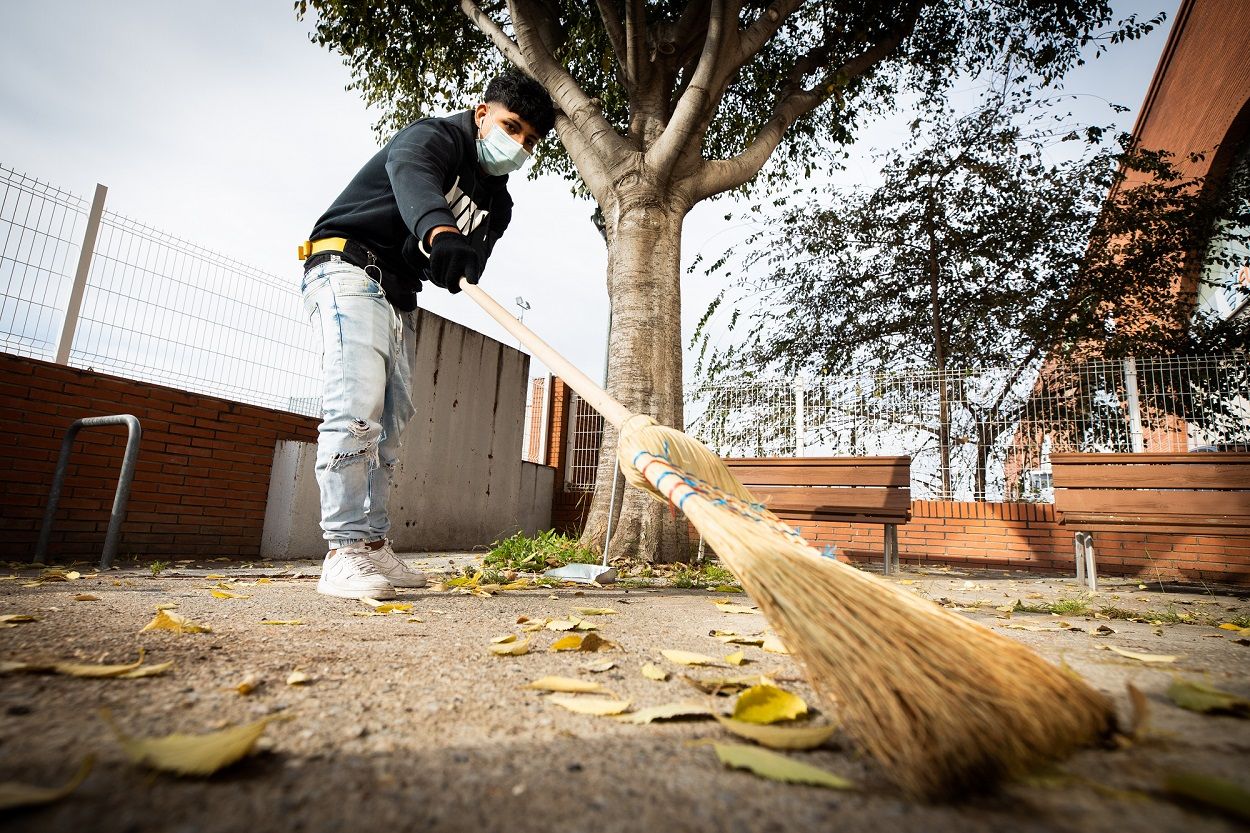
(305,249)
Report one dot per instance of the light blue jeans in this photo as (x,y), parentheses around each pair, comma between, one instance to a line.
(368,349)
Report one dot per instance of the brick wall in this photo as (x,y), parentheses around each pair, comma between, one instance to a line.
(200,484)
(1025,536)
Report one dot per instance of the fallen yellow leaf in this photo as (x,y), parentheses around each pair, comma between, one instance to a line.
(192,754)
(17,617)
(511,649)
(594,611)
(568,685)
(774,645)
(298,678)
(572,642)
(666,712)
(654,672)
(1213,792)
(501,640)
(1152,659)
(1205,699)
(736,658)
(86,597)
(768,704)
(248,684)
(214,575)
(779,737)
(730,608)
(599,667)
(395,607)
(15,794)
(688,658)
(166,621)
(74,669)
(600,706)
(562,624)
(147,671)
(777,767)
(282,621)
(226,594)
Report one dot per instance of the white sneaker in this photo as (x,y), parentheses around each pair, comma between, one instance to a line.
(349,573)
(396,572)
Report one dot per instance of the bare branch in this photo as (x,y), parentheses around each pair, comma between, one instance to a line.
(491,29)
(693,106)
(689,27)
(722,175)
(635,39)
(616,34)
(584,113)
(765,26)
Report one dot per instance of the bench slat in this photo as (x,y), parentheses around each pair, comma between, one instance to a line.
(824,472)
(1188,475)
(1152,502)
(1087,458)
(1231,526)
(892,502)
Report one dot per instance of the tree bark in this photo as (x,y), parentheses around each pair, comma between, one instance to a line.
(643,221)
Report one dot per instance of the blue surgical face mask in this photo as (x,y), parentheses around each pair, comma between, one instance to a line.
(499,153)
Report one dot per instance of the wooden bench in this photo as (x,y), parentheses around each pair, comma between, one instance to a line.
(862,490)
(1176,494)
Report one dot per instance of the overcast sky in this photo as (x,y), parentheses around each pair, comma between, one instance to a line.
(219,122)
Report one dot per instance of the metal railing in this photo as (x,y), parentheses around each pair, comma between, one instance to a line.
(1001,424)
(154,307)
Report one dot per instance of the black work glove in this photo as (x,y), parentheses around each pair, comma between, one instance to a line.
(451,258)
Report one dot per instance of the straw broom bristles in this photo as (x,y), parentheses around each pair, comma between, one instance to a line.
(947,706)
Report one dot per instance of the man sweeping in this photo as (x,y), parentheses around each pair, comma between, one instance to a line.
(430,205)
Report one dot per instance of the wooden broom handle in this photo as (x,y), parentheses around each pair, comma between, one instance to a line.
(613,411)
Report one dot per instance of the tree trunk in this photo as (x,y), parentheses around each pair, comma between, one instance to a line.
(939,361)
(644,360)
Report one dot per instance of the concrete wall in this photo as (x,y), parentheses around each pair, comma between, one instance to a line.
(461,482)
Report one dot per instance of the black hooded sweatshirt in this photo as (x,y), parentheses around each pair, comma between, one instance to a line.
(427,176)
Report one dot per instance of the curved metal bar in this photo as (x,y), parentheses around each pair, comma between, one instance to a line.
(129,459)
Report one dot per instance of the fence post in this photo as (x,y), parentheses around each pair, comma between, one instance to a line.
(80,277)
(1134,405)
(798,416)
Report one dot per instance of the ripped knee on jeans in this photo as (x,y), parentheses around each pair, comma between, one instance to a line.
(369,436)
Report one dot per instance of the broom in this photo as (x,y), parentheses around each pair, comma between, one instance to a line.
(948,707)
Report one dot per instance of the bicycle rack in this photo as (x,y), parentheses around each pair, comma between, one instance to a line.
(134,435)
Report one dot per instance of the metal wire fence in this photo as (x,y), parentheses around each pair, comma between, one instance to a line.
(154,307)
(584,436)
(985,434)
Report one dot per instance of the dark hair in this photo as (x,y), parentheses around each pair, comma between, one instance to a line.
(525,97)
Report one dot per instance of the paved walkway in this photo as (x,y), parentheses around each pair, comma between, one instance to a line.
(409,722)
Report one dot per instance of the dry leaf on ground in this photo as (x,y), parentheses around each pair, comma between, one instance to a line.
(736,658)
(568,685)
(510,649)
(192,754)
(773,644)
(689,658)
(599,667)
(654,672)
(226,594)
(503,640)
(668,711)
(594,611)
(600,706)
(779,737)
(1150,659)
(17,618)
(725,686)
(298,678)
(167,621)
(1200,697)
(562,624)
(777,767)
(768,704)
(282,621)
(16,794)
(248,684)
(1213,792)
(730,608)
(86,597)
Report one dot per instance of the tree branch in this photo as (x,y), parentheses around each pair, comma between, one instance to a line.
(635,39)
(765,26)
(692,108)
(616,35)
(492,30)
(722,175)
(584,113)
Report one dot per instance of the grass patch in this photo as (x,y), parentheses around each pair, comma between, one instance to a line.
(533,555)
(1069,607)
(157,567)
(704,576)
